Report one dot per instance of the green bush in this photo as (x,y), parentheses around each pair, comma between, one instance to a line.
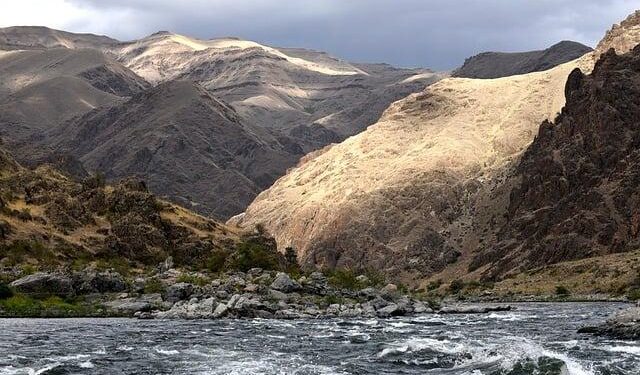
(23,306)
(433,285)
(633,294)
(19,305)
(343,279)
(562,291)
(119,264)
(456,286)
(5,291)
(193,279)
(254,253)
(153,286)
(217,261)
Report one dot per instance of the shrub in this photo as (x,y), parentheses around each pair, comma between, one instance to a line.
(5,291)
(255,253)
(433,285)
(19,305)
(119,264)
(562,290)
(153,286)
(345,278)
(633,294)
(456,286)
(291,257)
(217,260)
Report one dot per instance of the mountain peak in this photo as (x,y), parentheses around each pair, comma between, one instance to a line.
(622,37)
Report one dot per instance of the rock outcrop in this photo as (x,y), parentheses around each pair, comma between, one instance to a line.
(575,186)
(504,64)
(50,220)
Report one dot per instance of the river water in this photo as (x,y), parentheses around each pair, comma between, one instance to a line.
(534,339)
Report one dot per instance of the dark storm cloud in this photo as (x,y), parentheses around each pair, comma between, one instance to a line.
(433,33)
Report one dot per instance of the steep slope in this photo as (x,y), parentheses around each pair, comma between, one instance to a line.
(576,185)
(415,192)
(501,64)
(42,88)
(186,144)
(48,220)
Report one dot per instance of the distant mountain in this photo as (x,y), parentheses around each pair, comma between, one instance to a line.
(301,93)
(184,142)
(42,88)
(503,64)
(58,87)
(38,37)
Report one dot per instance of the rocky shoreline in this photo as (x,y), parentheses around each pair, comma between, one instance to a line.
(253,294)
(623,325)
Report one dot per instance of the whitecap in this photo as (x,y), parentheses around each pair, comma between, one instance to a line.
(635,350)
(167,352)
(86,364)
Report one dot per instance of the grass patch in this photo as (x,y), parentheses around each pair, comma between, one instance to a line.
(23,306)
(193,279)
(348,279)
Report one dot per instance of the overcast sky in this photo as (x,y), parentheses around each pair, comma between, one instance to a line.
(428,33)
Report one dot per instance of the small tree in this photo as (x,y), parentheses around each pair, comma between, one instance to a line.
(562,291)
(291,257)
(5,291)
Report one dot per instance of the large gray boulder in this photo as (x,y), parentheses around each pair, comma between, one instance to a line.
(192,309)
(178,292)
(41,285)
(130,305)
(285,284)
(91,281)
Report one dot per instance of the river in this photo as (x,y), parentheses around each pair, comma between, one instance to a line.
(536,339)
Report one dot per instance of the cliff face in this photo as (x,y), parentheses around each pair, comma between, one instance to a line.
(576,194)
(503,64)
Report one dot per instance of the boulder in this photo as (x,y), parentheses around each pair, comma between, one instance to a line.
(285,284)
(390,310)
(473,309)
(389,292)
(178,292)
(41,285)
(90,281)
(276,295)
(254,272)
(128,306)
(220,311)
(193,309)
